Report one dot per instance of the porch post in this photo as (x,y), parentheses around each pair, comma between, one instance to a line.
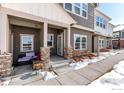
(98,48)
(45,32)
(68,36)
(4,33)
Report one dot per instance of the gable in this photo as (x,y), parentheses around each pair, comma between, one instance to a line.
(44,10)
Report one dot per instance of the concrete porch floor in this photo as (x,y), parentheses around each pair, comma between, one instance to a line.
(56,61)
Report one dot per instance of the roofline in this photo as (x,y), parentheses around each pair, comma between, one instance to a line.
(73,21)
(95,4)
(103,14)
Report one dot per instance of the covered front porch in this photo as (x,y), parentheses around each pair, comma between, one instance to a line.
(28,36)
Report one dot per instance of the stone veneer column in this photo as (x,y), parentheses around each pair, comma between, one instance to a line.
(4,33)
(5,64)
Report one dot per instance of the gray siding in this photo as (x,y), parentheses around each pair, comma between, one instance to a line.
(82,32)
(89,22)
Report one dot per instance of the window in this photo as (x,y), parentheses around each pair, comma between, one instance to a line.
(77,8)
(122,35)
(80,42)
(84,9)
(101,43)
(27,42)
(50,40)
(104,24)
(107,43)
(100,22)
(97,21)
(68,6)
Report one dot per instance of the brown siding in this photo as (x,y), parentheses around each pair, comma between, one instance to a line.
(17,30)
(82,32)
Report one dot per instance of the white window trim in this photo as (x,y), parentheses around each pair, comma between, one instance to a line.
(107,43)
(21,45)
(73,10)
(100,43)
(101,22)
(52,40)
(78,35)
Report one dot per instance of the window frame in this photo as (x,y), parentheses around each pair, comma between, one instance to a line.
(101,43)
(77,7)
(102,22)
(73,10)
(81,36)
(51,34)
(21,42)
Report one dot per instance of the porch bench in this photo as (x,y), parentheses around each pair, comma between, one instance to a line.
(26,58)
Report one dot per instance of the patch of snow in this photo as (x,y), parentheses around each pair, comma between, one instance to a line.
(48,75)
(118,28)
(5,83)
(78,65)
(113,79)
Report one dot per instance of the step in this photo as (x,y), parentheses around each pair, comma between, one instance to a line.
(60,64)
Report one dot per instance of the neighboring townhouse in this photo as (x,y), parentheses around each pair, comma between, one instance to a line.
(118,37)
(103,31)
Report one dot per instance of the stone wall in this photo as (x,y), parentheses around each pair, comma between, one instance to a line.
(45,57)
(5,64)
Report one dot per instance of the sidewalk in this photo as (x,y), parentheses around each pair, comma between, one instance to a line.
(82,76)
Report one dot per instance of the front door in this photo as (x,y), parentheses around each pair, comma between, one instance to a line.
(60,44)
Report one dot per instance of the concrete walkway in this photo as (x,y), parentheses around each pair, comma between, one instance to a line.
(82,76)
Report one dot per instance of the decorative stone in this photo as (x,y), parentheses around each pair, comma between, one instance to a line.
(45,57)
(68,52)
(5,64)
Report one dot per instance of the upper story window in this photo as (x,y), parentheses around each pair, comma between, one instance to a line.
(104,24)
(68,6)
(100,22)
(84,9)
(80,9)
(77,8)
(97,21)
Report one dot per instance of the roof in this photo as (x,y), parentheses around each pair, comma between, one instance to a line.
(118,28)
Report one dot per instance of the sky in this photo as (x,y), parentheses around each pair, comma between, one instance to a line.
(114,11)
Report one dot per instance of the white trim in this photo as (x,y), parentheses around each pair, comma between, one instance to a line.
(21,43)
(79,35)
(52,40)
(84,28)
(73,10)
(68,36)
(45,32)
